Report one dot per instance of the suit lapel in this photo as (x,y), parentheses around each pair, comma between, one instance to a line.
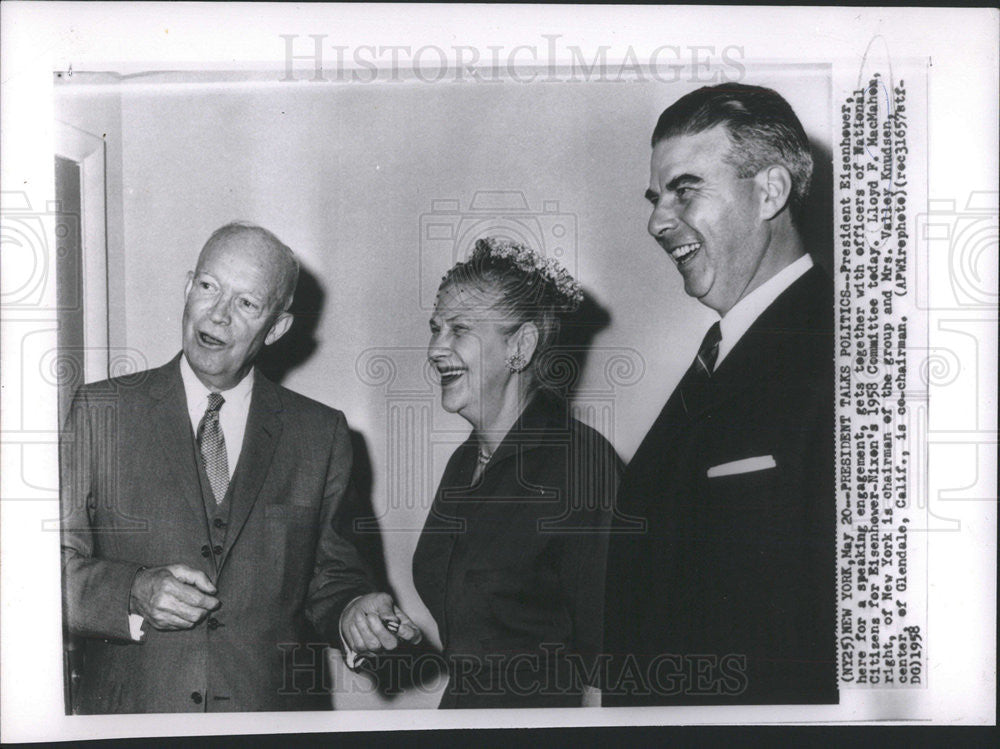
(260,439)
(767,339)
(170,420)
(776,335)
(672,424)
(698,399)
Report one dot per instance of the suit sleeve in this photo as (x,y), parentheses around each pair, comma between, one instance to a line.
(594,472)
(340,574)
(95,589)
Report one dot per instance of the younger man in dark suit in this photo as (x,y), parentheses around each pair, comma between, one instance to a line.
(728,597)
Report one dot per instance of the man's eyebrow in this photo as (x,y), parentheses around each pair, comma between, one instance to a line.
(684,180)
(681,180)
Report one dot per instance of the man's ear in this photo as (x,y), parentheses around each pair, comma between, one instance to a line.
(775,186)
(524,341)
(280,327)
(187,286)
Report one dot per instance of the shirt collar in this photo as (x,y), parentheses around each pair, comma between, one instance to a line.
(743,314)
(197,393)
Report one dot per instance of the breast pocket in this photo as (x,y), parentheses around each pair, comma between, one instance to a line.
(742,490)
(750,517)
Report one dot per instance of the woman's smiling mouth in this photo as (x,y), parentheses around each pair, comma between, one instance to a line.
(450,374)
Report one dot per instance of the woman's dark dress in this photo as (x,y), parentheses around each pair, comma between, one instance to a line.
(512,569)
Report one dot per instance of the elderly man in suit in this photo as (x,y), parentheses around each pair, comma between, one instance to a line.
(203,568)
(728,597)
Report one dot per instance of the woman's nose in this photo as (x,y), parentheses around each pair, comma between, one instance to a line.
(436,348)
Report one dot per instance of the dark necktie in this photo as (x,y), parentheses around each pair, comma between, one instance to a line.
(212,444)
(708,352)
(701,369)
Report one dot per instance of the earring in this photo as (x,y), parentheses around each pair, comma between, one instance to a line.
(516,362)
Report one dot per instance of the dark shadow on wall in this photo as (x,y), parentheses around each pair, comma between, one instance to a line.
(299,343)
(562,366)
(297,346)
(356,515)
(816,222)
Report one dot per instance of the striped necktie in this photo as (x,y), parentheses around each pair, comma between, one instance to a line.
(212,444)
(708,352)
(700,372)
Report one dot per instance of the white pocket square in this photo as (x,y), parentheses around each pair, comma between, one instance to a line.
(747,465)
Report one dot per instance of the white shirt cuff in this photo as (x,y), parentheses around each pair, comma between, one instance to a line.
(591,696)
(135,623)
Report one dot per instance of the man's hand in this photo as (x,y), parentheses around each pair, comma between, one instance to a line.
(172,597)
(363,629)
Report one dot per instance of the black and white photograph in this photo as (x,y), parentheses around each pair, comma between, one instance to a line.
(377,367)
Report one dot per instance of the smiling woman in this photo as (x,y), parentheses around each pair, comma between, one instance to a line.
(513,550)
(470,342)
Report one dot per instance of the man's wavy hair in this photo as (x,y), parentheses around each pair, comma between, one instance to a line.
(760,123)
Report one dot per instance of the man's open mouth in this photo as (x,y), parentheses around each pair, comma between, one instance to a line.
(683,253)
(450,374)
(209,340)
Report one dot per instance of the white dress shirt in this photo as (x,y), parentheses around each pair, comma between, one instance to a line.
(746,311)
(232,416)
(232,420)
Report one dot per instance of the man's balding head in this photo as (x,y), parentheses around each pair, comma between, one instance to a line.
(264,242)
(236,301)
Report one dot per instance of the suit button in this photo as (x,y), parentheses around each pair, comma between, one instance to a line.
(196,697)
(213,623)
(205,551)
(217,549)
(218,522)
